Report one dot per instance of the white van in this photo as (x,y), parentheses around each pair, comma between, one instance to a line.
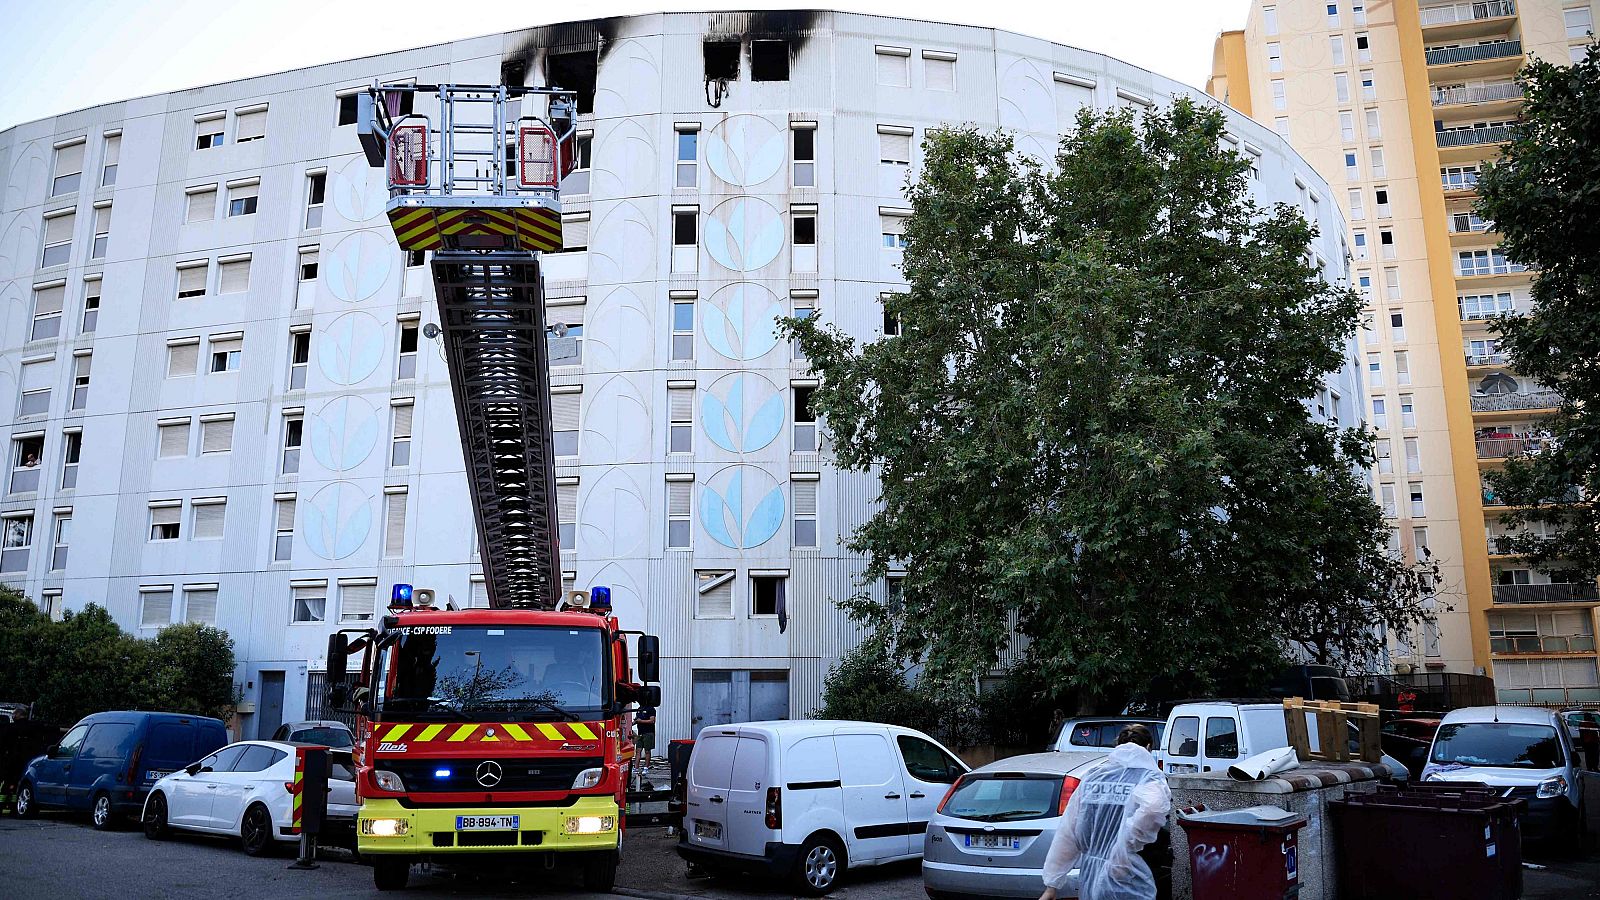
(1211,735)
(806,800)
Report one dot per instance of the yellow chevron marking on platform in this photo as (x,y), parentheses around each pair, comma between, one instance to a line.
(551,732)
(428,733)
(582,731)
(463,733)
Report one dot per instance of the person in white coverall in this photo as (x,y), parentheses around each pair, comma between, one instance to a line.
(1117,809)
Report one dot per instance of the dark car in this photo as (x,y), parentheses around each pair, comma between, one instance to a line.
(108,761)
(1408,740)
(327,732)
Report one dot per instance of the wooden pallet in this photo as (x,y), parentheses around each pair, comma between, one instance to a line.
(1333,718)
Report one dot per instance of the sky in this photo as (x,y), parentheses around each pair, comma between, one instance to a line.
(60,55)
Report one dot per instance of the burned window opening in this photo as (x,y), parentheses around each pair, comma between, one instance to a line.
(722,60)
(576,72)
(769,60)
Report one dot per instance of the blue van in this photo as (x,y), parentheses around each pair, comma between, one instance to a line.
(108,761)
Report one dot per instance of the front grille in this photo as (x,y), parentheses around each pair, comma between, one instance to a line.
(524,774)
(487,838)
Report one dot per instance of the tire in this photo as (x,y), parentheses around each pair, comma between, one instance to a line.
(390,873)
(101,815)
(155,818)
(600,872)
(820,867)
(255,831)
(27,803)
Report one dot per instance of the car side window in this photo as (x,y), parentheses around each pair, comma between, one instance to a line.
(70,744)
(108,740)
(926,762)
(1222,738)
(258,758)
(1185,740)
(225,759)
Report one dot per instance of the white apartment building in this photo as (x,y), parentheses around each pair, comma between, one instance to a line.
(225,409)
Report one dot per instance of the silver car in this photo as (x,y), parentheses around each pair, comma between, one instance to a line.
(991,834)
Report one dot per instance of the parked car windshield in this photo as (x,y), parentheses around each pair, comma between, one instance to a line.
(478,673)
(1502,744)
(1004,799)
(323,734)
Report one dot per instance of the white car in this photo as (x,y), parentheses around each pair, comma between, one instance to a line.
(807,800)
(245,790)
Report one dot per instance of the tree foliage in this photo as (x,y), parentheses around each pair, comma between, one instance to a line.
(1092,430)
(1543,196)
(85,663)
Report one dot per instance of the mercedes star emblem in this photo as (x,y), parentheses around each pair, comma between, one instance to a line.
(489,773)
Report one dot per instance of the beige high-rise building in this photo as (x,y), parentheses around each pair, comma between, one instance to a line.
(1398,103)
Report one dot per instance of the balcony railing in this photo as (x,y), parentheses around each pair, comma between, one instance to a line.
(1476,93)
(24,479)
(1464,223)
(1509,402)
(1547,593)
(1467,137)
(1548,696)
(1466,12)
(1474,53)
(1500,544)
(1543,643)
(1486,359)
(1500,448)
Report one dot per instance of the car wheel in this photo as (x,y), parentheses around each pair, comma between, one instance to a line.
(390,873)
(100,814)
(155,818)
(27,807)
(820,865)
(600,872)
(255,831)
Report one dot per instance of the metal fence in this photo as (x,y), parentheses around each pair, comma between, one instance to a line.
(1467,137)
(1466,12)
(317,696)
(1474,53)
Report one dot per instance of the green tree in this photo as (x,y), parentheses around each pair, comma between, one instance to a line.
(1543,196)
(868,685)
(1091,430)
(192,670)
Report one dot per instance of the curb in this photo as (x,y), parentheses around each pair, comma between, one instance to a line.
(653,895)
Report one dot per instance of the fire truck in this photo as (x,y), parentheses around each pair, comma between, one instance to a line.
(498,736)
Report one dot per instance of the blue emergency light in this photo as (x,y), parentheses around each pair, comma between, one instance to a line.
(599,597)
(401,597)
(441,773)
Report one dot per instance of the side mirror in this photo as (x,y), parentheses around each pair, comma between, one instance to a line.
(649,658)
(649,695)
(192,768)
(338,696)
(338,655)
(51,750)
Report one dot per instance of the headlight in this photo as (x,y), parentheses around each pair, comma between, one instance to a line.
(1431,776)
(384,827)
(1554,786)
(589,824)
(588,778)
(388,781)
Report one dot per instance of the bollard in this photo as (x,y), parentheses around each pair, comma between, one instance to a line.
(310,801)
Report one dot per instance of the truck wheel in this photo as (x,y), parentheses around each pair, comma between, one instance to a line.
(600,872)
(820,866)
(155,818)
(390,873)
(27,804)
(100,814)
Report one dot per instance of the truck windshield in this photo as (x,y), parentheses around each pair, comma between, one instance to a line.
(478,673)
(1500,744)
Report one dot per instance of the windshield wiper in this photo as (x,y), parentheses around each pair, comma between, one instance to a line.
(428,703)
(551,705)
(995,817)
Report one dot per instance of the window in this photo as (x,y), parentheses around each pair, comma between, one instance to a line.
(894,66)
(721,60)
(249,124)
(283,532)
(577,181)
(26,455)
(564,413)
(357,599)
(202,204)
(68,170)
(208,131)
(407,367)
(299,358)
(1335,44)
(1483,306)
(209,513)
(1341,86)
(316,193)
(769,60)
(47,303)
(394,521)
(1358,207)
(400,412)
(17,542)
(679,505)
(192,278)
(233,274)
(1280,97)
(72,449)
(1364,286)
(1363,47)
(801,311)
(216,434)
(58,552)
(894,231)
(683,329)
(1402,367)
(1358,13)
(1275,56)
(81,362)
(200,605)
(1385,457)
(1413,457)
(567,512)
(1185,737)
(1386,495)
(1408,412)
(166,518)
(574,233)
(1360,238)
(242,198)
(1269,19)
(1347,126)
(804,497)
(349,108)
(1352,172)
(1391,282)
(891,320)
(58,238)
(1414,491)
(293,436)
(805,421)
(938,70)
(34,396)
(1375,370)
(804,250)
(1333,18)
(1378,169)
(1386,241)
(91,304)
(1369,87)
(688,165)
(803,143)
(111,154)
(894,145)
(1397,326)
(156,607)
(1382,196)
(766,594)
(226,352)
(1374,131)
(1579,21)
(102,231)
(713,593)
(680,418)
(1380,413)
(310,601)
(1222,737)
(685,238)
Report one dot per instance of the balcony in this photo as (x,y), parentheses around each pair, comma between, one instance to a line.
(1547,593)
(1543,643)
(1511,402)
(1451,56)
(1456,13)
(1471,137)
(1500,448)
(1486,359)
(1547,696)
(1469,223)
(1476,93)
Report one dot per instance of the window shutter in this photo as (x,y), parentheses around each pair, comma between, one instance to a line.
(35,377)
(184,359)
(357,601)
(805,498)
(244,191)
(200,607)
(69,159)
(165,515)
(49,300)
(82,362)
(894,147)
(216,436)
(202,206)
(480,595)
(714,595)
(286,515)
(113,150)
(309,258)
(58,229)
(102,219)
(566,503)
(175,440)
(894,224)
(250,125)
(678,499)
(575,233)
(192,279)
(680,402)
(157,612)
(402,420)
(394,530)
(941,73)
(564,411)
(235,276)
(565,315)
(208,518)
